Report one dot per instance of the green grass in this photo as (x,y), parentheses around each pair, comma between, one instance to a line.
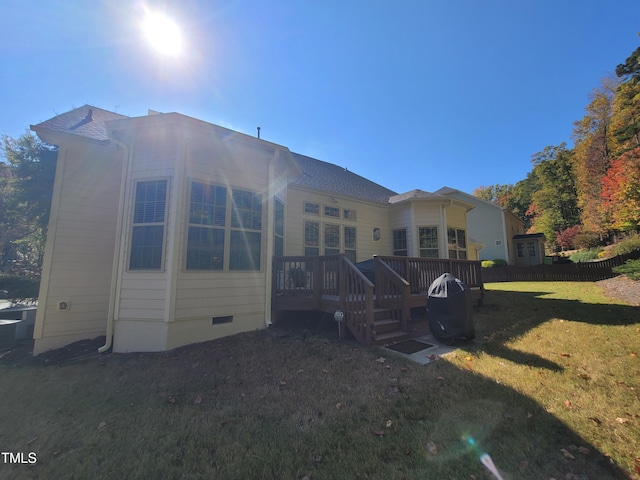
(554,375)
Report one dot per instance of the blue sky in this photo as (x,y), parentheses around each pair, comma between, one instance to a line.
(410,94)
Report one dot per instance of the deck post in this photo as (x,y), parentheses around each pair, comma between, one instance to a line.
(317,281)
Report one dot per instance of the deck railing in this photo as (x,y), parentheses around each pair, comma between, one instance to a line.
(356,294)
(392,293)
(421,272)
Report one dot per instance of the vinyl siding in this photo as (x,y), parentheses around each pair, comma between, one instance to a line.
(368,217)
(202,295)
(80,245)
(154,157)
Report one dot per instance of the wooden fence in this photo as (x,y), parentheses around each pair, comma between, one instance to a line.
(570,272)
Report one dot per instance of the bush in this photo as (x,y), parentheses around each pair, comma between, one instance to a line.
(628,245)
(631,269)
(19,287)
(585,256)
(496,262)
(586,240)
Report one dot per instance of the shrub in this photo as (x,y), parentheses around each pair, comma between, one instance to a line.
(566,238)
(496,262)
(628,245)
(19,287)
(584,256)
(631,269)
(585,240)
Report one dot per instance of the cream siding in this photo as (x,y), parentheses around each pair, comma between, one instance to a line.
(80,245)
(368,217)
(202,295)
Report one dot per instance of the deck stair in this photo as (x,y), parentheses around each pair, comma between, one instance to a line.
(376,312)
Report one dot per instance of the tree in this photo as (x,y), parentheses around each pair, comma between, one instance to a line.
(621,191)
(566,238)
(26,186)
(554,204)
(592,154)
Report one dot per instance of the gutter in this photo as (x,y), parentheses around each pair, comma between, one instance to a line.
(114,293)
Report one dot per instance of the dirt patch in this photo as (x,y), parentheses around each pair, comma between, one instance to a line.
(22,353)
(621,288)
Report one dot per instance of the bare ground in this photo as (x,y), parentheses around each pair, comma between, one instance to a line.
(621,288)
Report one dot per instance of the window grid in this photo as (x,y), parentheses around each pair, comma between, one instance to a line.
(147,236)
(400,242)
(428,242)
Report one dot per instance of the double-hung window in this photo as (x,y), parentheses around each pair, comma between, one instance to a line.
(457,243)
(350,243)
(428,241)
(246,230)
(400,242)
(207,221)
(149,214)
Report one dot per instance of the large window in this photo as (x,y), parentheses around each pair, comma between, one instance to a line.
(207,221)
(457,243)
(428,240)
(246,228)
(331,239)
(278,228)
(350,243)
(311,238)
(400,242)
(147,238)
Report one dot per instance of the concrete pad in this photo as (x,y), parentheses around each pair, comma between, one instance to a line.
(427,355)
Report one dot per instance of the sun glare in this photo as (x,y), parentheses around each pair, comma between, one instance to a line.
(162,33)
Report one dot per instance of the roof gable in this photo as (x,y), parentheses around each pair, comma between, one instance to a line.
(86,121)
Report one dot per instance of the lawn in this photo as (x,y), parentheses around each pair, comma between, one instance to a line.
(550,389)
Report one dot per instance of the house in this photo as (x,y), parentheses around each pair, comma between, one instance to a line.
(500,232)
(163,228)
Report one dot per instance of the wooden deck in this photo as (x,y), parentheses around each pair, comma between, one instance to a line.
(376,309)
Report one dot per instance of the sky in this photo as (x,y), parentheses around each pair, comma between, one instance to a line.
(407,93)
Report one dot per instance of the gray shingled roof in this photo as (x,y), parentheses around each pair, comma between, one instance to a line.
(417,193)
(331,178)
(86,121)
(89,122)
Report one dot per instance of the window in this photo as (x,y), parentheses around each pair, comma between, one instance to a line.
(278,228)
(457,243)
(207,221)
(350,243)
(209,226)
(400,242)
(331,239)
(520,249)
(147,238)
(331,211)
(428,241)
(312,208)
(311,238)
(246,230)
(349,214)
(531,248)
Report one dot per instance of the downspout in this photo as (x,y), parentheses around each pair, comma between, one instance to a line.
(114,293)
(270,238)
(504,235)
(442,239)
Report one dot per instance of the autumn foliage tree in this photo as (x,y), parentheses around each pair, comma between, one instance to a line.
(592,155)
(621,191)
